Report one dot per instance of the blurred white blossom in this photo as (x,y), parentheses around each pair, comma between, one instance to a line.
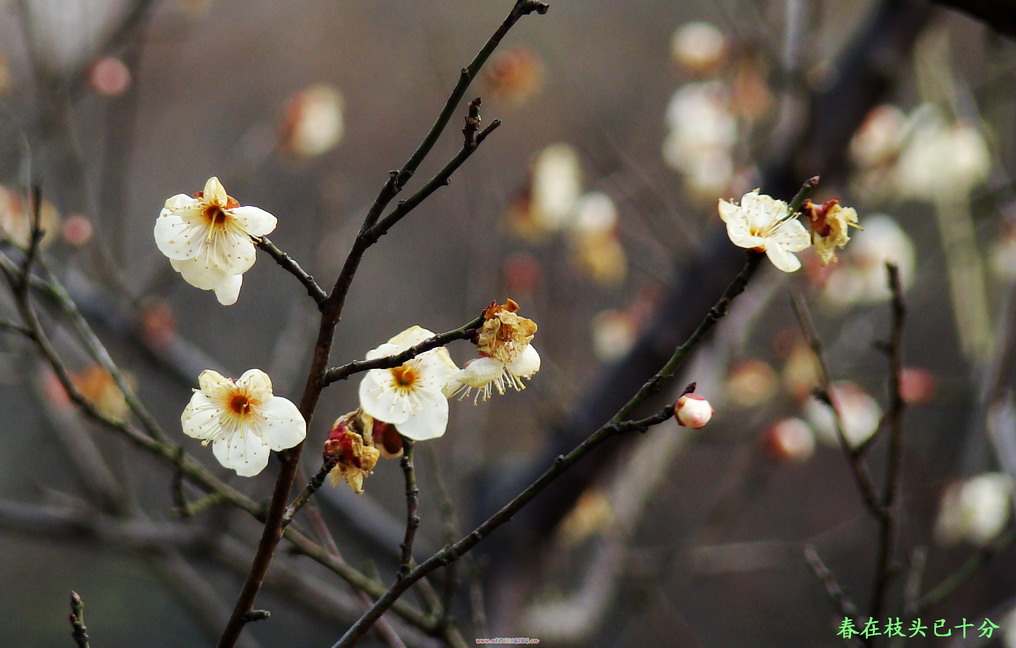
(976,510)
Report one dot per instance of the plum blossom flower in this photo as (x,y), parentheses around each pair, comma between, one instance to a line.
(409,396)
(242,420)
(762,223)
(209,238)
(829,223)
(506,357)
(349,444)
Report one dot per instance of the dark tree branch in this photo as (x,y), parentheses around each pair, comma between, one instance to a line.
(331,312)
(412,508)
(316,292)
(463,332)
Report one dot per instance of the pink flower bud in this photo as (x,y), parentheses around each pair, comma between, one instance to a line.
(693,411)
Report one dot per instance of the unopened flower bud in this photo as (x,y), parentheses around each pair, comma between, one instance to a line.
(693,411)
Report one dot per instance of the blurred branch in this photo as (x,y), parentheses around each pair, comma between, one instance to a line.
(843,604)
(888,525)
(953,581)
(824,392)
(995,14)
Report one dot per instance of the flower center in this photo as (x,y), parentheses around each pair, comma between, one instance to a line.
(404,375)
(215,216)
(240,404)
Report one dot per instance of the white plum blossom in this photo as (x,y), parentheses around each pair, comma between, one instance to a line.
(409,396)
(762,223)
(506,357)
(242,420)
(208,238)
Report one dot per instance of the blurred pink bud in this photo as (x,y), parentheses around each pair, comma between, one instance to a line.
(693,411)
(789,439)
(917,385)
(109,77)
(77,230)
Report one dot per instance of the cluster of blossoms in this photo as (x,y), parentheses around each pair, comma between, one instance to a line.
(764,224)
(411,400)
(209,238)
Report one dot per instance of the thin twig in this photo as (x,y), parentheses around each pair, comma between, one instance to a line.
(840,600)
(953,581)
(412,508)
(855,456)
(894,417)
(77,617)
(340,373)
(34,240)
(316,292)
(450,519)
(308,491)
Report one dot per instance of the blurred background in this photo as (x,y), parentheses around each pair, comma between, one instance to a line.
(594,207)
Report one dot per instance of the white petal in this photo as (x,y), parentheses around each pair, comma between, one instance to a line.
(527,364)
(410,337)
(429,419)
(385,350)
(244,452)
(180,201)
(230,250)
(214,384)
(283,426)
(228,291)
(214,192)
(254,220)
(379,398)
(727,210)
(256,383)
(199,275)
(200,419)
(178,237)
(791,236)
(436,368)
(480,372)
(740,235)
(782,259)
